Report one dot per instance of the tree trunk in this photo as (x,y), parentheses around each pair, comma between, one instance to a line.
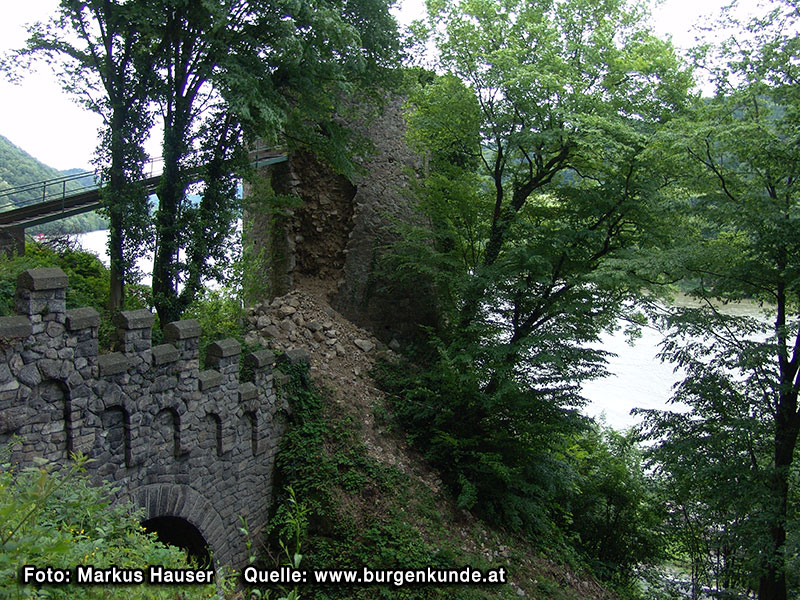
(170,193)
(772,585)
(116,197)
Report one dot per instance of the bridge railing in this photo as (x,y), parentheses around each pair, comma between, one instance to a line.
(48,189)
(60,188)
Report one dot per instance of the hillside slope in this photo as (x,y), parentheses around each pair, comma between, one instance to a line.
(370,499)
(18,168)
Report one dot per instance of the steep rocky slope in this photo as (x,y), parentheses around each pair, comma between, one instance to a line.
(341,358)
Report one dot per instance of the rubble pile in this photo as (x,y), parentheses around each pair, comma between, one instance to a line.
(297,320)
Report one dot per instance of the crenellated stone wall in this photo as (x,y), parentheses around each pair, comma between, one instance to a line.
(176,440)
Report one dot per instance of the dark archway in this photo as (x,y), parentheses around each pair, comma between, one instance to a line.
(176,531)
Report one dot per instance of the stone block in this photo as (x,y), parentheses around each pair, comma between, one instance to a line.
(82,318)
(165,353)
(54,329)
(224,348)
(42,279)
(15,327)
(297,356)
(247,391)
(209,379)
(29,375)
(135,319)
(113,363)
(181,330)
(260,359)
(5,373)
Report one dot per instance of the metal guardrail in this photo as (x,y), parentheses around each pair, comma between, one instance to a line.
(50,190)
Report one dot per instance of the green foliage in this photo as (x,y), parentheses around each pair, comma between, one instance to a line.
(350,510)
(220,314)
(615,511)
(715,460)
(738,157)
(543,190)
(512,472)
(88,278)
(55,517)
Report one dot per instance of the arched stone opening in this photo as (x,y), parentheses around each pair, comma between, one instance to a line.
(177,531)
(174,500)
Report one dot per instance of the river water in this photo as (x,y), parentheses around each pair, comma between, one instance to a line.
(638,379)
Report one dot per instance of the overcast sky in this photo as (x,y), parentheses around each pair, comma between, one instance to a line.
(47,124)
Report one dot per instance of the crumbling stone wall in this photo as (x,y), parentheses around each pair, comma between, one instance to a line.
(343,226)
(177,440)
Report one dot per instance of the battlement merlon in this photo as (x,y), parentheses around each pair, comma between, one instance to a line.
(47,328)
(42,295)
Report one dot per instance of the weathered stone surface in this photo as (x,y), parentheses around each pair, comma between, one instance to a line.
(224,348)
(209,379)
(135,319)
(344,226)
(247,391)
(15,327)
(5,373)
(260,359)
(113,363)
(182,330)
(364,345)
(42,279)
(29,375)
(164,353)
(172,439)
(297,356)
(81,318)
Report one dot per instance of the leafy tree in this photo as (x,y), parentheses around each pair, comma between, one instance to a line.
(739,151)
(553,82)
(540,184)
(215,71)
(99,53)
(236,67)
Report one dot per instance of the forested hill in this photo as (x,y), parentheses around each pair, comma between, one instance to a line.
(17,168)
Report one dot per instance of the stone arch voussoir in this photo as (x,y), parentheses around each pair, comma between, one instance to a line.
(176,500)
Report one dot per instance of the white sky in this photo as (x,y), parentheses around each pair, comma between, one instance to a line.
(39,118)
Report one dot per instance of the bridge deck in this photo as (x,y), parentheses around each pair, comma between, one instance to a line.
(69,204)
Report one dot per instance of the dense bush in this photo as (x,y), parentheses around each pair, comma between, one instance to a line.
(510,476)
(560,479)
(616,518)
(54,517)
